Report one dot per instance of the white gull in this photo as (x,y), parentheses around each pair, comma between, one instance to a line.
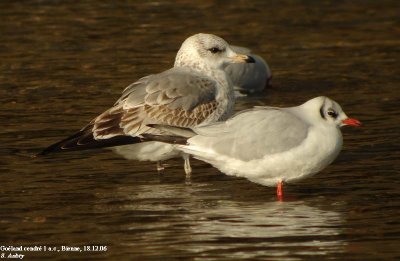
(268,145)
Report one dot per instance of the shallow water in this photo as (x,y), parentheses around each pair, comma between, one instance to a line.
(62,63)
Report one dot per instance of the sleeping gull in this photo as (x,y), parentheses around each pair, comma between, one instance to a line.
(195,91)
(268,145)
(249,78)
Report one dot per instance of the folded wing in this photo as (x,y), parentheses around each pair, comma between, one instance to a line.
(251,134)
(176,97)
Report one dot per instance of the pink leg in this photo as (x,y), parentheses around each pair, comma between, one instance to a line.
(279,190)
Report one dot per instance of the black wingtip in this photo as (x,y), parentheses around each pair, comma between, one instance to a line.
(59,146)
(51,149)
(85,141)
(40,154)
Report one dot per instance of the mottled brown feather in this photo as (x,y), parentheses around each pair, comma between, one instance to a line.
(180,117)
(123,122)
(108,123)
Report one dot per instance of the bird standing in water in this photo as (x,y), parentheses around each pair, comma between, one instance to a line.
(268,145)
(195,91)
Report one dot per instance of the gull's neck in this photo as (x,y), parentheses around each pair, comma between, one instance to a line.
(225,92)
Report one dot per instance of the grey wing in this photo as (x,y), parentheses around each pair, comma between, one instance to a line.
(253,134)
(175,97)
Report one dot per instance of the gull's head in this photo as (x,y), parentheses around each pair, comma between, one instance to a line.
(208,51)
(326,111)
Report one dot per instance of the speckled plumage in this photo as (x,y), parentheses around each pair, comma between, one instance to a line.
(195,91)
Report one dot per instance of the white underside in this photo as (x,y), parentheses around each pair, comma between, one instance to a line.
(315,153)
(147,151)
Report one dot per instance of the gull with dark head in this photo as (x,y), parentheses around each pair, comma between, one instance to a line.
(268,145)
(194,92)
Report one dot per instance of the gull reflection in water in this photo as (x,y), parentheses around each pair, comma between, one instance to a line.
(200,220)
(281,228)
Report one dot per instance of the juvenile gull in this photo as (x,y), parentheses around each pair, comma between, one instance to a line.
(249,78)
(195,91)
(269,145)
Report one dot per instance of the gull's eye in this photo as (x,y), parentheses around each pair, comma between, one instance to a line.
(332,113)
(215,50)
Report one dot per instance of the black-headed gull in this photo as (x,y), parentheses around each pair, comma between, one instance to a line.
(195,91)
(249,78)
(268,145)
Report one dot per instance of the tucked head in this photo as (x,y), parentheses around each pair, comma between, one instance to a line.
(208,50)
(326,110)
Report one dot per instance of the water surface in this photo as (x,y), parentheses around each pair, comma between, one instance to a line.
(62,63)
